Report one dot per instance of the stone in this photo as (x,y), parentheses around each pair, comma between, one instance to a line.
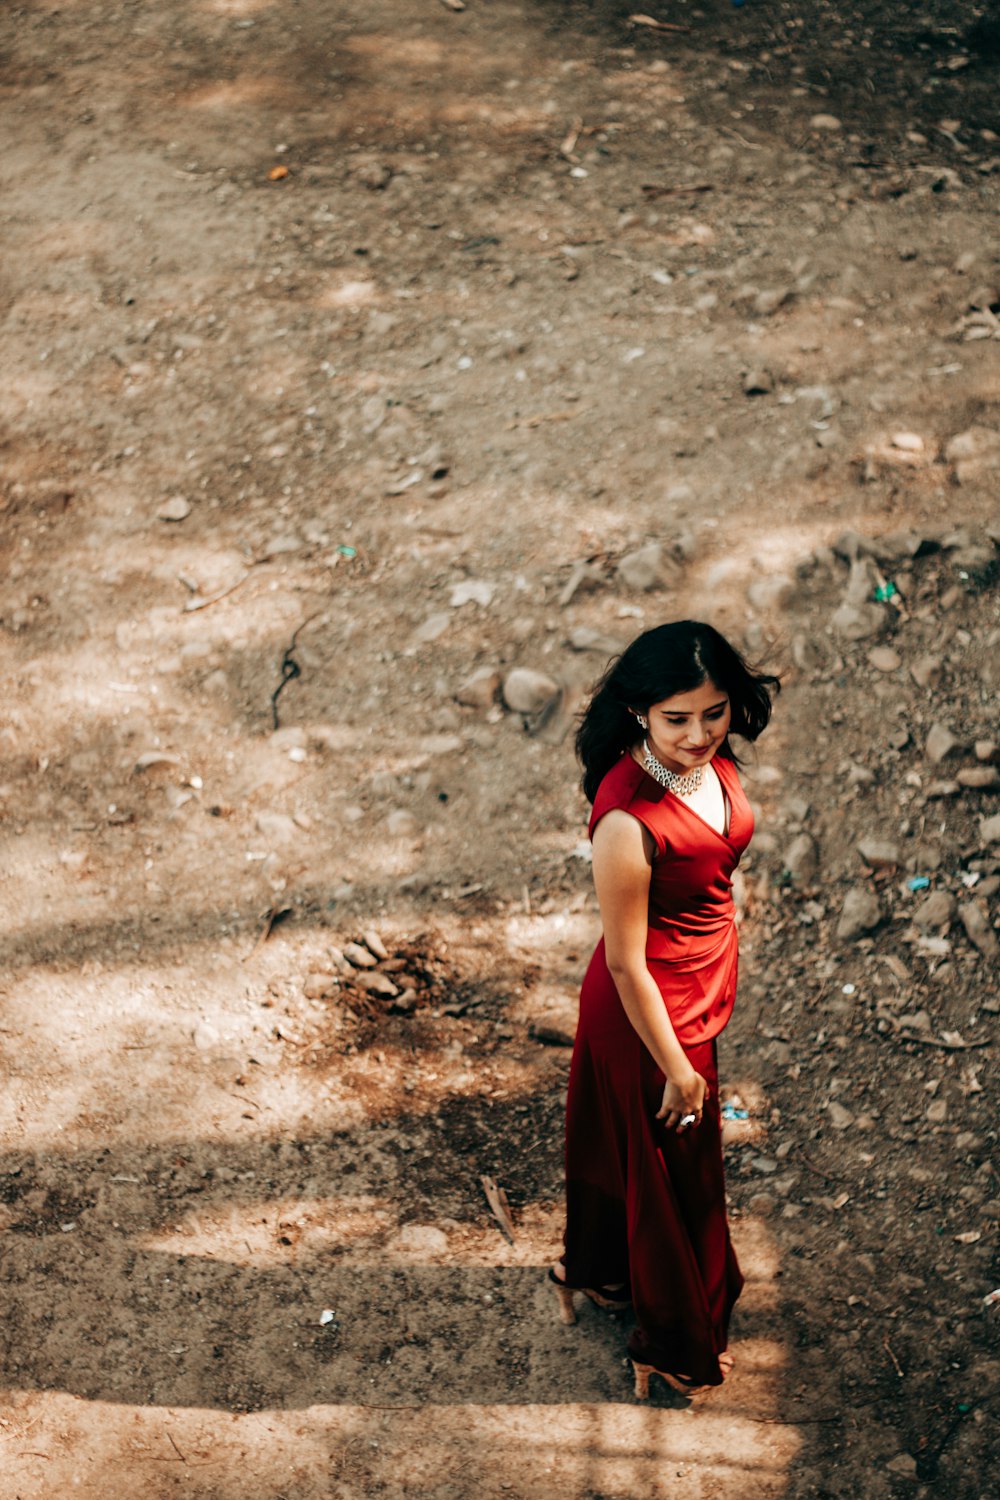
(582,638)
(174,509)
(401,824)
(840,1118)
(277,826)
(827,123)
(989,831)
(480,690)
(775,592)
(801,859)
(926,671)
(879,854)
(859,622)
(762,1205)
(884,659)
(770,299)
(859,914)
(359,957)
(422,1239)
(376,984)
(472,591)
(282,546)
(940,744)
(319,986)
(583,576)
(431,630)
(978,929)
(374,943)
(649,567)
(937,1111)
(979,778)
(973,453)
(935,912)
(904,1464)
(758,383)
(986,750)
(908,442)
(528,692)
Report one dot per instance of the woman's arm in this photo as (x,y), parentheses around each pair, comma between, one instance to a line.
(623,852)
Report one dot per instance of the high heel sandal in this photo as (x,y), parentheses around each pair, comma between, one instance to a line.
(613,1299)
(679,1383)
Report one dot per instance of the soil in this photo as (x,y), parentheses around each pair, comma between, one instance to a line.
(348,351)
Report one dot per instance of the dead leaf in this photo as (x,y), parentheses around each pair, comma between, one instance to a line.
(499,1207)
(277,173)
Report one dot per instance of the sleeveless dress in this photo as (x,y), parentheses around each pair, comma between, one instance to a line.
(645,1206)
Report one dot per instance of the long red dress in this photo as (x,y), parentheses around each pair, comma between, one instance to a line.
(644,1205)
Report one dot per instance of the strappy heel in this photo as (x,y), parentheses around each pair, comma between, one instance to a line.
(679,1383)
(612,1299)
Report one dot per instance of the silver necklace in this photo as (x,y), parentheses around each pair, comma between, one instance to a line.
(681,786)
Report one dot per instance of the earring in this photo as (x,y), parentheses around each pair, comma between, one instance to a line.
(643,722)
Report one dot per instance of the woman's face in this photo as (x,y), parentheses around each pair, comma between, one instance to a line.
(686,730)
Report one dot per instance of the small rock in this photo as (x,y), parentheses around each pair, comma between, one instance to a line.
(583,576)
(374,175)
(582,638)
(979,778)
(374,943)
(989,831)
(859,622)
(908,442)
(926,671)
(937,1111)
(936,912)
(401,824)
(903,1464)
(768,301)
(775,592)
(277,826)
(986,750)
(840,1118)
(650,567)
(764,1164)
(825,123)
(879,854)
(174,509)
(940,744)
(281,546)
(528,692)
(978,929)
(762,1205)
(431,630)
(937,790)
(801,859)
(758,383)
(376,984)
(480,690)
(472,591)
(885,659)
(973,453)
(319,986)
(359,957)
(859,914)
(423,1239)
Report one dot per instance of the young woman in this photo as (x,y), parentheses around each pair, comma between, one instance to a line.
(645,1196)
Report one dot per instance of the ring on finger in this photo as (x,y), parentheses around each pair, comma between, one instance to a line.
(688,1120)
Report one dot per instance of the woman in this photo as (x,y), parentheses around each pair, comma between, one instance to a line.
(645,1196)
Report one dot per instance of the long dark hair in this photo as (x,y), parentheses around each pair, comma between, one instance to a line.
(675,658)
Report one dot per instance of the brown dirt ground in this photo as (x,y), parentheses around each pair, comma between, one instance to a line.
(493,321)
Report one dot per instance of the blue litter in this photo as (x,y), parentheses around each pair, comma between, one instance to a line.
(918,883)
(730,1112)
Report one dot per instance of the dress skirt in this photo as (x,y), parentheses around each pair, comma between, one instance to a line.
(646,1206)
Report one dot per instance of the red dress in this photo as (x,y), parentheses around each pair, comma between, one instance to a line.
(644,1205)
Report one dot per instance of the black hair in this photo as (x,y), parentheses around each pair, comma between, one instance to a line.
(671,659)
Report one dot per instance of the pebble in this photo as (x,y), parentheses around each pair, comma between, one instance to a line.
(762,1205)
(775,592)
(528,692)
(278,826)
(431,630)
(884,659)
(940,743)
(374,943)
(986,750)
(859,914)
(840,1118)
(472,591)
(908,442)
(758,383)
(376,984)
(978,929)
(880,854)
(174,509)
(859,622)
(825,122)
(973,453)
(480,690)
(979,778)
(989,831)
(583,638)
(401,825)
(926,671)
(801,859)
(359,957)
(937,1111)
(936,912)
(319,986)
(764,1164)
(903,1464)
(423,1239)
(649,567)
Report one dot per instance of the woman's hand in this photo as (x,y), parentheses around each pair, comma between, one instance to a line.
(684,1098)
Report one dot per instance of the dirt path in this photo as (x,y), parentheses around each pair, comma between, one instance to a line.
(356,356)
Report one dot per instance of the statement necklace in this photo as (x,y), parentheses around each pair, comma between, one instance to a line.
(681,786)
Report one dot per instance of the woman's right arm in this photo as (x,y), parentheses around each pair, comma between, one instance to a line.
(622,869)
